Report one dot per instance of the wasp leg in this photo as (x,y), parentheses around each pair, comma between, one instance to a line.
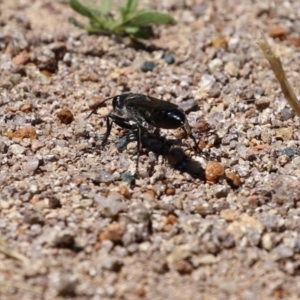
(195,142)
(196,147)
(187,129)
(108,130)
(139,149)
(122,122)
(188,132)
(115,119)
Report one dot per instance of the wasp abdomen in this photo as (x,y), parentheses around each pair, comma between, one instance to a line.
(168,119)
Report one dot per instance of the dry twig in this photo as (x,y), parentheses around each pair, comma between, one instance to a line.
(277,68)
(5,249)
(22,286)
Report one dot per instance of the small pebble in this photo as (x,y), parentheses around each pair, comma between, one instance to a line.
(220,190)
(262,103)
(43,79)
(138,213)
(171,219)
(101,176)
(15,78)
(3,147)
(281,252)
(26,108)
(112,264)
(4,204)
(287,113)
(22,58)
(140,291)
(219,42)
(268,241)
(207,259)
(147,66)
(178,203)
(188,105)
(285,190)
(284,134)
(122,143)
(26,132)
(112,205)
(290,152)
(205,209)
(17,149)
(113,232)
(229,215)
(215,65)
(151,193)
(233,179)
(213,171)
(183,267)
(259,93)
(169,59)
(125,192)
(6,84)
(277,32)
(33,217)
(64,240)
(231,69)
(86,203)
(54,203)
(214,91)
(206,82)
(66,288)
(159,264)
(128,177)
(65,116)
(31,166)
(170,191)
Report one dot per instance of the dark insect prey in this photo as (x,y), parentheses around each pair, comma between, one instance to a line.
(138,112)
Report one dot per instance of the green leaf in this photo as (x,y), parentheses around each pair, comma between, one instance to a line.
(131,6)
(147,18)
(81,9)
(139,33)
(128,9)
(93,28)
(105,6)
(103,9)
(123,11)
(131,30)
(136,24)
(95,19)
(110,25)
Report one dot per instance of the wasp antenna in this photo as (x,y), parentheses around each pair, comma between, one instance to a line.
(98,105)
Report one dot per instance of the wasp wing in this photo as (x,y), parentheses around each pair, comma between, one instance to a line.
(149,110)
(140,101)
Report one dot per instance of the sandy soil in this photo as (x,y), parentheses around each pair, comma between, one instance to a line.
(221,224)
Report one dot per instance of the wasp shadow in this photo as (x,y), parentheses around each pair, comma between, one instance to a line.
(170,149)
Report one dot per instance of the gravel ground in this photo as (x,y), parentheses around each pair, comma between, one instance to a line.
(218,225)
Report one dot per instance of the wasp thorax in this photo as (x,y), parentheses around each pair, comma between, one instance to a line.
(118,102)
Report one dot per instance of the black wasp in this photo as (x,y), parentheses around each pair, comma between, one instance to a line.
(140,112)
